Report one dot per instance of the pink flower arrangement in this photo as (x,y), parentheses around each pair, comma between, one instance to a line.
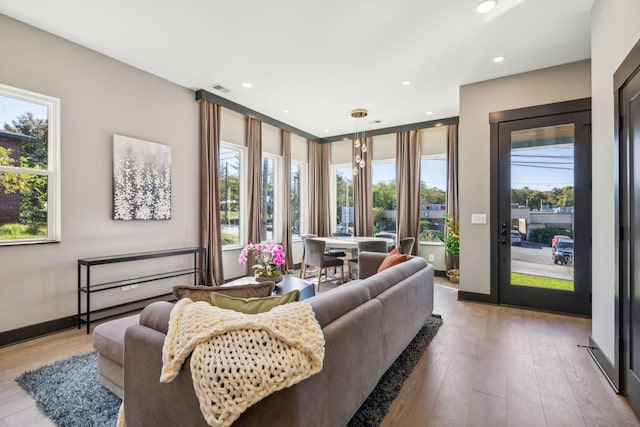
(269,257)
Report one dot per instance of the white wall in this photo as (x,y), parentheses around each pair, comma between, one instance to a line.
(99,97)
(614,31)
(556,84)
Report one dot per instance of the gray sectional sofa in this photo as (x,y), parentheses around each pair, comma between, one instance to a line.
(366,323)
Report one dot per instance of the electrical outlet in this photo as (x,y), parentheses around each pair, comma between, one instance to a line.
(126,288)
(134,286)
(431,258)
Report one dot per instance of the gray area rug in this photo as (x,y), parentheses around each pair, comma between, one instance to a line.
(374,409)
(69,393)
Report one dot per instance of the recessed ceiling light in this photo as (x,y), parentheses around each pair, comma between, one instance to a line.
(429,113)
(406,83)
(486,6)
(247,85)
(285,111)
(498,59)
(327,131)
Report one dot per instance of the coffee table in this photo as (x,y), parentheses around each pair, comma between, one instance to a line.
(287,284)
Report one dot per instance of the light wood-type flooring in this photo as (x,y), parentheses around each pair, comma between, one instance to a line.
(487,366)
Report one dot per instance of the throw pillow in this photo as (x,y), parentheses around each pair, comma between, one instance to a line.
(253,305)
(203,293)
(393,258)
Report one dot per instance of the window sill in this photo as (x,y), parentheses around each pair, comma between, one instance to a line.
(226,248)
(26,242)
(425,243)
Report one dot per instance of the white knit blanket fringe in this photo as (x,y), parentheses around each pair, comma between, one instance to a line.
(238,359)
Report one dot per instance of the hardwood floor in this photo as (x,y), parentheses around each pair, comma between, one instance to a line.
(17,408)
(487,366)
(503,366)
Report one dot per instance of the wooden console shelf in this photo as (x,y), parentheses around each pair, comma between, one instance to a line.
(87,288)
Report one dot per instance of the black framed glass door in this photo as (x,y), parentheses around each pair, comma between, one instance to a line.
(543,232)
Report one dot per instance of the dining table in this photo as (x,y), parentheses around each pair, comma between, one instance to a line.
(351,242)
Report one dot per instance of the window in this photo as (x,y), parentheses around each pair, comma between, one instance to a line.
(433,191)
(267,199)
(296,199)
(344,198)
(230,168)
(383,186)
(29,167)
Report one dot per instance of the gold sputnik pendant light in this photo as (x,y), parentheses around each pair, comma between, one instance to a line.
(359,145)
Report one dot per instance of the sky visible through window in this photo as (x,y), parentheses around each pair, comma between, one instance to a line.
(385,172)
(542,169)
(11,108)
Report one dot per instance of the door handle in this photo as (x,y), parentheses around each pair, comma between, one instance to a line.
(504,241)
(503,229)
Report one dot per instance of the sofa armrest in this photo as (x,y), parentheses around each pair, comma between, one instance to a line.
(368,263)
(156,316)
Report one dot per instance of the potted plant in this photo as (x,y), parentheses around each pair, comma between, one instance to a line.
(451,240)
(268,257)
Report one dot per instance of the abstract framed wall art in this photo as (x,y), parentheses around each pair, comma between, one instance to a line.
(141,179)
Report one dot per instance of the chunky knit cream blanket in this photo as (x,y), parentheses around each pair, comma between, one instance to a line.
(237,359)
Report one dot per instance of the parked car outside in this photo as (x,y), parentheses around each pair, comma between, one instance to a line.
(343,229)
(563,252)
(556,238)
(516,238)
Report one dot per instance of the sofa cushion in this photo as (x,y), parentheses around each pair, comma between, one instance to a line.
(156,315)
(328,306)
(253,305)
(393,258)
(203,293)
(108,337)
(382,281)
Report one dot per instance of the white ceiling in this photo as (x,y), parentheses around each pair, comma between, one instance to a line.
(321,59)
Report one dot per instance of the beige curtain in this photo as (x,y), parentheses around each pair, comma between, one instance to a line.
(254,181)
(363,196)
(408,185)
(286,198)
(210,232)
(452,179)
(319,218)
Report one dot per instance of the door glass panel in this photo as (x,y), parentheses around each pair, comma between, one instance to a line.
(542,203)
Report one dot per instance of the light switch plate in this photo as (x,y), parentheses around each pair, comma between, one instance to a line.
(478,218)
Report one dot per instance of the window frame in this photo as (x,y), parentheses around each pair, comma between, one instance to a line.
(333,202)
(54,220)
(277,194)
(303,198)
(393,162)
(242,202)
(432,157)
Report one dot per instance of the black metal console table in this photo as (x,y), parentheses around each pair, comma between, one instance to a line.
(88,288)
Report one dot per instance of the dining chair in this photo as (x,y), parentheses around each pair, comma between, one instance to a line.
(405,246)
(337,252)
(388,236)
(302,266)
(366,246)
(315,257)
